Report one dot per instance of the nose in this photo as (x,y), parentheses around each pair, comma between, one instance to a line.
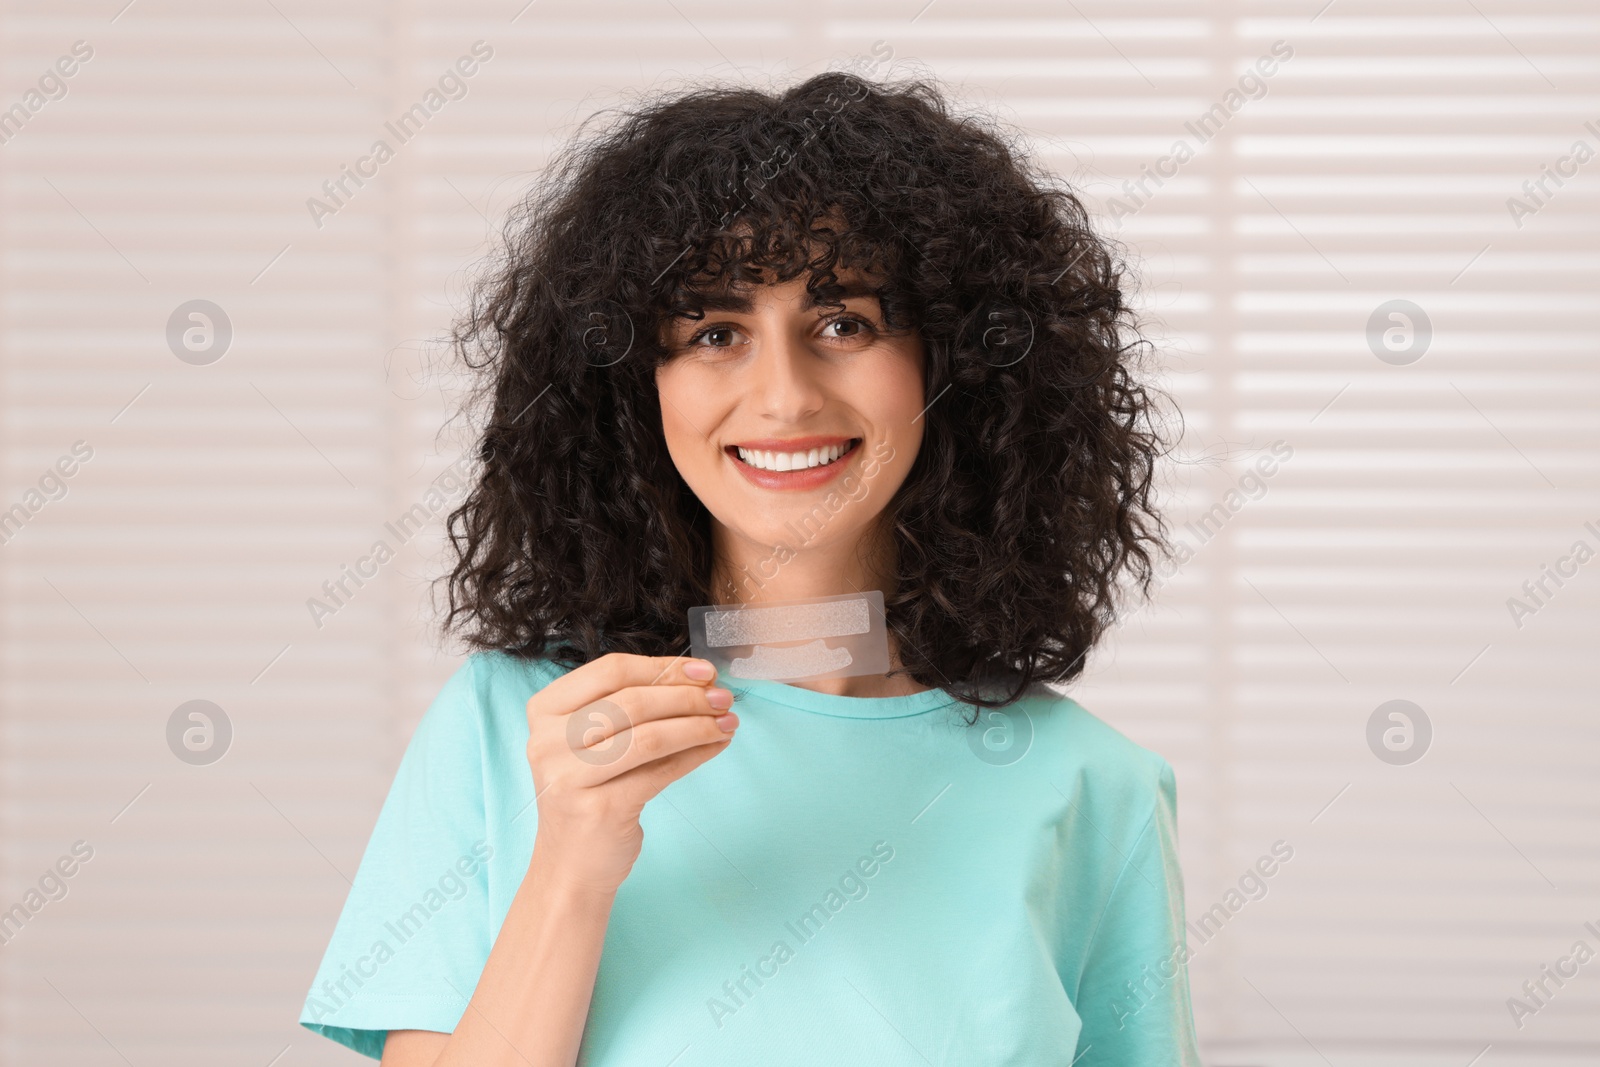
(786,386)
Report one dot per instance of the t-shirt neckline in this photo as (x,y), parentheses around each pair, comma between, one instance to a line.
(794,696)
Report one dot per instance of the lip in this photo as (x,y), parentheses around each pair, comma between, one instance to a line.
(792,444)
(810,478)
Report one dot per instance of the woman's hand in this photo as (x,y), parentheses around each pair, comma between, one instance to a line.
(602,740)
(605,738)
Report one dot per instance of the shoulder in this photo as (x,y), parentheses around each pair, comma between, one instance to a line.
(1089,758)
(485,695)
(499,676)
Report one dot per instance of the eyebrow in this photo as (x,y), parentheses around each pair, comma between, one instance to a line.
(738,304)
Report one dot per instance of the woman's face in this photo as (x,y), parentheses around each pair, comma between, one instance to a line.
(793,424)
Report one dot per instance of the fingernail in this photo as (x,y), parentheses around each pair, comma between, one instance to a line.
(728,722)
(719,698)
(699,670)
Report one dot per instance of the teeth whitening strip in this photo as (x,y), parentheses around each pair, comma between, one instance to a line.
(794,640)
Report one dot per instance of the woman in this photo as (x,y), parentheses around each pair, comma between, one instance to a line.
(748,349)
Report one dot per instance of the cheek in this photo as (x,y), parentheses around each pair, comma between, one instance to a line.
(689,411)
(672,389)
(895,394)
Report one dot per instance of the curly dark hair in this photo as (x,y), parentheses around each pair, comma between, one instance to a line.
(1029,504)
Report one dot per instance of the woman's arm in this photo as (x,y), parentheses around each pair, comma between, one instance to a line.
(1133,986)
(533,997)
(602,741)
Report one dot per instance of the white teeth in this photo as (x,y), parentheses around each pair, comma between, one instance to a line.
(791,461)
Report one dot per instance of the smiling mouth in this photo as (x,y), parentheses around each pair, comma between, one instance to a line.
(777,461)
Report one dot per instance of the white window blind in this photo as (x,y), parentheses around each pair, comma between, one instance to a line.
(218,542)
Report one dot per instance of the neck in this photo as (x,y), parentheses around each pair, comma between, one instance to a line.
(747,572)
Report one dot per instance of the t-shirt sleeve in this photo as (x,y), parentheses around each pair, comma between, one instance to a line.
(1133,996)
(414,933)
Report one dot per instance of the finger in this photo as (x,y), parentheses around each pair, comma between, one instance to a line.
(618,670)
(643,743)
(627,708)
(592,732)
(597,732)
(642,783)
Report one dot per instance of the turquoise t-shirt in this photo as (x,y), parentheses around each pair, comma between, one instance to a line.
(852,880)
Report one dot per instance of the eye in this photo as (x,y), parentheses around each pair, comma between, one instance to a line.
(714,337)
(849,326)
